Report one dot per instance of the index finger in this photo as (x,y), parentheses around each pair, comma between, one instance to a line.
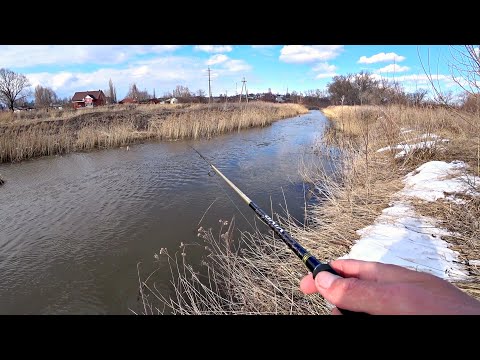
(376,271)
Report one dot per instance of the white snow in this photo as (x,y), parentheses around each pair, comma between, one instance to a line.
(402,237)
(435,178)
(408,148)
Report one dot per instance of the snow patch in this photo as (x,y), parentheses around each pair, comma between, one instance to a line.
(402,237)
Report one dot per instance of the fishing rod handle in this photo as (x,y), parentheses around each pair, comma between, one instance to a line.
(327,267)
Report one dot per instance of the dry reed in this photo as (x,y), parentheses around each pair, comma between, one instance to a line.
(37,133)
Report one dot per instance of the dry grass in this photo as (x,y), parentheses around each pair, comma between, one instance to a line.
(254,275)
(37,133)
(388,126)
(260,275)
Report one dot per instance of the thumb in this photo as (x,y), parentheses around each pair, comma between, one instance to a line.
(348,293)
(324,280)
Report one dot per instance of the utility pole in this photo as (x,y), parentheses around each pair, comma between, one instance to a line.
(241,91)
(209,87)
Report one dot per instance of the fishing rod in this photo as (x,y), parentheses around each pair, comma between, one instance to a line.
(311,262)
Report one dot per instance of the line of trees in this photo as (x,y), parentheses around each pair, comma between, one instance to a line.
(44,97)
(180,92)
(364,88)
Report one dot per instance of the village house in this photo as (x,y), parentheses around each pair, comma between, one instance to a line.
(128,100)
(88,99)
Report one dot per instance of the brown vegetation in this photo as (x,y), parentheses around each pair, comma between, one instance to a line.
(26,135)
(257,274)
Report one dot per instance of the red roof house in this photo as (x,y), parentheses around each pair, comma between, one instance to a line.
(128,100)
(87,99)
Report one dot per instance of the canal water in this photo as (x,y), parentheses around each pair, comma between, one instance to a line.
(73,228)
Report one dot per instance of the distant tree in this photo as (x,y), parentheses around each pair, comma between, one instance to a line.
(365,85)
(416,98)
(143,95)
(342,91)
(13,86)
(471,102)
(201,96)
(112,92)
(44,97)
(133,92)
(182,92)
(295,96)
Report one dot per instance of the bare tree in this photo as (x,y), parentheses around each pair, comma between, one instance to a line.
(464,68)
(112,92)
(201,95)
(13,86)
(133,92)
(182,92)
(416,98)
(44,97)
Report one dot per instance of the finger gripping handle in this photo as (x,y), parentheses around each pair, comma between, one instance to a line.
(327,267)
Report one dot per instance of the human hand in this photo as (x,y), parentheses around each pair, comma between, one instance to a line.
(381,289)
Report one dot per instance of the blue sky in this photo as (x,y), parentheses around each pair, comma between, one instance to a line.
(70,68)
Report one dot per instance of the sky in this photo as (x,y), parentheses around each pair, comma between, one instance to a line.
(403,237)
(160,68)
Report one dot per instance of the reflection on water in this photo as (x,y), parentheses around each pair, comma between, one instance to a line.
(73,228)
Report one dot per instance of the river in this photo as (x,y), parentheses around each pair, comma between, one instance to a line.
(74,227)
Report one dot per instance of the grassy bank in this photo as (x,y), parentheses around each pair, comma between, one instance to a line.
(255,274)
(31,134)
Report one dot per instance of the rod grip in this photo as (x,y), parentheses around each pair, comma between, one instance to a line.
(327,267)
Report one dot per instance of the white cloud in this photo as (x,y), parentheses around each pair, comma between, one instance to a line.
(214,48)
(55,81)
(236,66)
(381,57)
(324,67)
(477,51)
(393,68)
(217,59)
(161,74)
(423,78)
(226,64)
(411,83)
(165,48)
(33,55)
(325,70)
(325,75)
(309,53)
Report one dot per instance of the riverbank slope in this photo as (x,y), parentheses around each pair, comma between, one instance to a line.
(33,134)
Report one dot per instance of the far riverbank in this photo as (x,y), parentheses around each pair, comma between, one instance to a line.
(30,135)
